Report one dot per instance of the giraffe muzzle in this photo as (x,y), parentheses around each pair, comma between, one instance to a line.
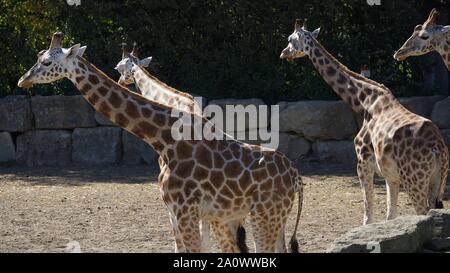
(24,82)
(400,55)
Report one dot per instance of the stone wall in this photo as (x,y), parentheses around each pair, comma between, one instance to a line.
(63,130)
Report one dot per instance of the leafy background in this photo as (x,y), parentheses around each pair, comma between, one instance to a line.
(219,49)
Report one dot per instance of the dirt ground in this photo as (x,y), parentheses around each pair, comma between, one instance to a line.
(119,209)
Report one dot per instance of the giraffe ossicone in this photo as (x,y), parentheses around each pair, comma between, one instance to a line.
(220,181)
(397,144)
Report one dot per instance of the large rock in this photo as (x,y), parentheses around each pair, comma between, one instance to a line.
(136,151)
(15,114)
(293,146)
(7,148)
(103,120)
(242,120)
(404,234)
(441,113)
(98,146)
(441,218)
(62,112)
(44,148)
(446,136)
(335,151)
(318,119)
(421,106)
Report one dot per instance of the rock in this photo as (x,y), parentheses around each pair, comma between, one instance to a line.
(241,122)
(319,120)
(7,148)
(335,151)
(136,151)
(420,105)
(404,234)
(446,136)
(441,218)
(44,148)
(101,145)
(293,146)
(62,112)
(441,113)
(103,120)
(15,114)
(439,244)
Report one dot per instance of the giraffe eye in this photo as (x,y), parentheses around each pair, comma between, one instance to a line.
(47,63)
(424,37)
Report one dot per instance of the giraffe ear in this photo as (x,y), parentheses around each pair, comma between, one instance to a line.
(315,33)
(81,51)
(73,51)
(145,62)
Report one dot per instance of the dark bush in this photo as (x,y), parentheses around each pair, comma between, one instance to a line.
(217,48)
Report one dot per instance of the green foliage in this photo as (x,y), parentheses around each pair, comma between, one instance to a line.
(213,48)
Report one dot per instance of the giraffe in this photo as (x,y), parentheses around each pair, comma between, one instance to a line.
(404,148)
(132,71)
(221,181)
(426,38)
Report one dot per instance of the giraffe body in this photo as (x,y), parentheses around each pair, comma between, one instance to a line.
(132,71)
(219,180)
(399,145)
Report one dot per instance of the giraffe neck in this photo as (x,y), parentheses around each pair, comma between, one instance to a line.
(153,89)
(144,118)
(444,49)
(360,93)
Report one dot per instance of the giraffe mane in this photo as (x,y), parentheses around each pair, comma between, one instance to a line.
(347,70)
(171,89)
(136,96)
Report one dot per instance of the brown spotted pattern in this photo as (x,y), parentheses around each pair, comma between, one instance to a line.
(404,148)
(220,181)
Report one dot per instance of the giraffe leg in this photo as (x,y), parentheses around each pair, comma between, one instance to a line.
(366,170)
(393,187)
(268,223)
(434,188)
(418,194)
(365,175)
(281,242)
(187,224)
(205,235)
(179,246)
(226,235)
(266,232)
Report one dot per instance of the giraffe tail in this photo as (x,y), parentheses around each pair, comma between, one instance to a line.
(294,242)
(241,238)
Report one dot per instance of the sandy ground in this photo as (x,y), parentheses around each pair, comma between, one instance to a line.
(119,209)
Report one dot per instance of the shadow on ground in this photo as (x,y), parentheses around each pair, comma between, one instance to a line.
(73,175)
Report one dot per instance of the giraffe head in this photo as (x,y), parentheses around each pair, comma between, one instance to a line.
(128,63)
(299,41)
(424,39)
(52,64)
